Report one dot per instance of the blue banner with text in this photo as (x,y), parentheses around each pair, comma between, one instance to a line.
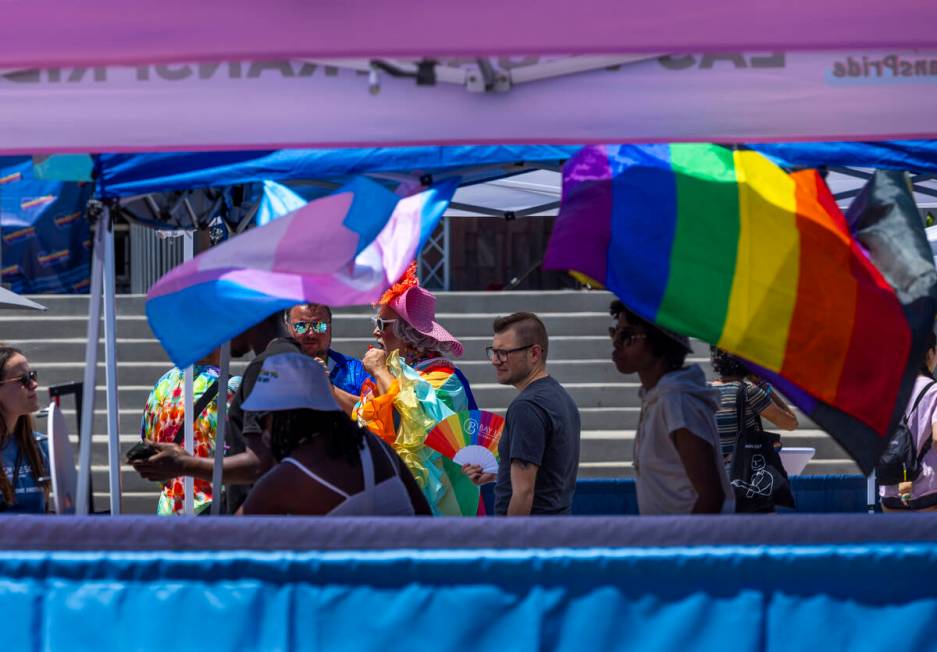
(45,233)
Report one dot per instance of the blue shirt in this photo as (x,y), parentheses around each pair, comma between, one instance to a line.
(346,373)
(30,497)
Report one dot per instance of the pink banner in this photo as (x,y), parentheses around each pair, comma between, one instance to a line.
(45,33)
(729,97)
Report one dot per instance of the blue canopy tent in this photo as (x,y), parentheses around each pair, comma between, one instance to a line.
(319,172)
(123,175)
(237,184)
(912,155)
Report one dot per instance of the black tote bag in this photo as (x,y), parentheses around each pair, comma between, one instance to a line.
(756,473)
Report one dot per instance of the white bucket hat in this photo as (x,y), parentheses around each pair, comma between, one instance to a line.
(291,381)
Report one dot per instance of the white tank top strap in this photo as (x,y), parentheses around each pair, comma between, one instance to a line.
(328,485)
(387,498)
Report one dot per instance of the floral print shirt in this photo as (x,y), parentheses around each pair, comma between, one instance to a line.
(163,417)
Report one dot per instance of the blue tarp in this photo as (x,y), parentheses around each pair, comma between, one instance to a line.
(751,598)
(910,155)
(46,237)
(122,175)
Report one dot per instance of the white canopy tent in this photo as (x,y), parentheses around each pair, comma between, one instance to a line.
(734,97)
(241,74)
(538,193)
(47,33)
(13,301)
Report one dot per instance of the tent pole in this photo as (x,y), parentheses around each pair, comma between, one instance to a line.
(216,474)
(188,252)
(446,281)
(110,359)
(84,498)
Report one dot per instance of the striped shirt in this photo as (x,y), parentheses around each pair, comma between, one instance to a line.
(758,398)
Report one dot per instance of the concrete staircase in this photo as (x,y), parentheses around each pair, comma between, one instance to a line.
(579,358)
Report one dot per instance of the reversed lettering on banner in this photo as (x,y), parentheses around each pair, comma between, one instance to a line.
(176,72)
(715,97)
(891,66)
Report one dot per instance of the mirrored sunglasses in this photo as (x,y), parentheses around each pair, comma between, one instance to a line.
(316,327)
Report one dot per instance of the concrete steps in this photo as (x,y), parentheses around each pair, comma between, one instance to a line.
(579,358)
(344,325)
(493,303)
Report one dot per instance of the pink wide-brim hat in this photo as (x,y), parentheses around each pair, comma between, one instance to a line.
(417,307)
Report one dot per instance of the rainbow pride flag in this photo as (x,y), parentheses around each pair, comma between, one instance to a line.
(725,246)
(341,250)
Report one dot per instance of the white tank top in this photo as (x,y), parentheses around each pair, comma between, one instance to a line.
(386,498)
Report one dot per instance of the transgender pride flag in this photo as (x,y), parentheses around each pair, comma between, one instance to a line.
(341,250)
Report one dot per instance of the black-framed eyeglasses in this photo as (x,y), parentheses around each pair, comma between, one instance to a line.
(25,380)
(624,335)
(501,355)
(380,323)
(317,327)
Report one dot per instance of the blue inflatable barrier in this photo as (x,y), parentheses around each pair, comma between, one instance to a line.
(616,496)
(751,583)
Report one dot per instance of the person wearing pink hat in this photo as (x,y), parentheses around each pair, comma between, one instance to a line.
(415,386)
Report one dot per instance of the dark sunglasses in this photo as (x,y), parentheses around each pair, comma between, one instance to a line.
(302,327)
(380,323)
(25,380)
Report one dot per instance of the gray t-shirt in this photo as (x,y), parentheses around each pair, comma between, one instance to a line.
(541,427)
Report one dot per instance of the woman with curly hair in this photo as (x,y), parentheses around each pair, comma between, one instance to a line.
(415,386)
(328,465)
(24,482)
(761,401)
